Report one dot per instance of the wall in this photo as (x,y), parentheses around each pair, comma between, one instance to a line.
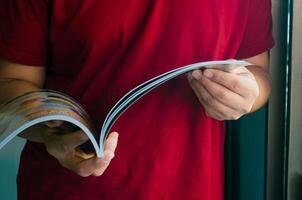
(9,161)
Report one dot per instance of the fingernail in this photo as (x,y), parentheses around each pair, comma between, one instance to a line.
(207,73)
(197,74)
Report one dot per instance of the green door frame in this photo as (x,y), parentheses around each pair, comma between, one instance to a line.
(245,157)
(256,145)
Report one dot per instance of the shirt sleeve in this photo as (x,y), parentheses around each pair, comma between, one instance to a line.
(258,36)
(23,31)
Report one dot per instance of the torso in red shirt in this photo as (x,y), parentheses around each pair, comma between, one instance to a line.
(98,50)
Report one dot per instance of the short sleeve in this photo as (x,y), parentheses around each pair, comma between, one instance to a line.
(258,36)
(23,31)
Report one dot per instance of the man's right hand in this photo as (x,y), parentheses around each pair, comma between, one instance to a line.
(17,79)
(64,148)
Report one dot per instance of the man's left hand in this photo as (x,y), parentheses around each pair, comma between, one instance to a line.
(225,95)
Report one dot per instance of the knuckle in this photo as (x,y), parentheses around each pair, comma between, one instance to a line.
(246,109)
(235,117)
(217,76)
(207,113)
(212,115)
(221,95)
(219,118)
(234,85)
(210,100)
(51,151)
(98,173)
(81,172)
(106,162)
(64,147)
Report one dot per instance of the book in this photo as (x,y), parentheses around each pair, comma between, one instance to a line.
(45,105)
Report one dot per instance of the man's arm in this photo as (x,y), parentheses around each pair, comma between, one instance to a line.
(232,94)
(15,80)
(260,70)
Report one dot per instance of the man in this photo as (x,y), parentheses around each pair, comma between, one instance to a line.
(171,143)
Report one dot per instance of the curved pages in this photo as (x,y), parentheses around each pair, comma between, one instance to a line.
(45,105)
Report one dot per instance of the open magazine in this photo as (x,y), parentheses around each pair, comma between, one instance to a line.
(45,105)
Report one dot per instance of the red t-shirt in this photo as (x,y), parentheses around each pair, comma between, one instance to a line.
(96,51)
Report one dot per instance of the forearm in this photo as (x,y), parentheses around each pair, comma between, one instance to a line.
(17,79)
(11,88)
(264,83)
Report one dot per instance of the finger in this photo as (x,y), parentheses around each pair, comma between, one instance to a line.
(111,142)
(213,107)
(108,156)
(93,166)
(83,167)
(109,149)
(198,89)
(214,115)
(224,95)
(237,83)
(53,123)
(86,167)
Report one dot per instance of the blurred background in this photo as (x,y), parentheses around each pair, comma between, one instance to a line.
(9,162)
